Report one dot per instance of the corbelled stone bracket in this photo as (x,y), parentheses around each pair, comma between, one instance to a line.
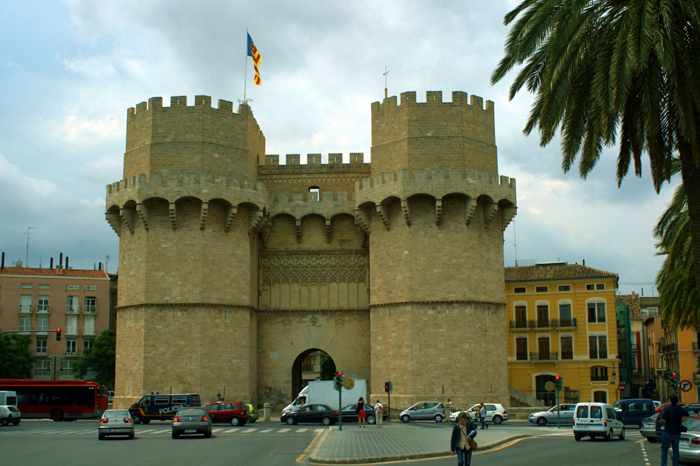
(142,210)
(490,210)
(471,208)
(266,230)
(438,211)
(383,213)
(508,215)
(328,230)
(297,223)
(203,215)
(256,222)
(363,220)
(173,215)
(406,211)
(232,211)
(114,221)
(127,216)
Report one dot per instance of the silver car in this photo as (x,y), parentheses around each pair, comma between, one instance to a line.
(648,429)
(191,420)
(10,414)
(566,415)
(115,422)
(425,410)
(689,445)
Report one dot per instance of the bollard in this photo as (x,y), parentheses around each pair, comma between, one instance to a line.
(266,412)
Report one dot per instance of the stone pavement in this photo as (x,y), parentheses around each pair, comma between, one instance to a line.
(398,441)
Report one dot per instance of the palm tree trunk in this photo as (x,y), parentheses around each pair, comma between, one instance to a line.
(691,182)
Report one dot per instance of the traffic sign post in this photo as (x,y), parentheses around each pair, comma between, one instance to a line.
(686,385)
(621,387)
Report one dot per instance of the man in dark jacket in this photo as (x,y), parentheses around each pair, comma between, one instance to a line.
(672,417)
(462,430)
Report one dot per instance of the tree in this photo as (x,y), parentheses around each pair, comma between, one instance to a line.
(327,368)
(602,66)
(16,359)
(101,359)
(677,290)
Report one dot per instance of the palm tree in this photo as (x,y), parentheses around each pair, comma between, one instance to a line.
(677,290)
(602,66)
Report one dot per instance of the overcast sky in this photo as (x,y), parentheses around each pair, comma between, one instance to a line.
(70,69)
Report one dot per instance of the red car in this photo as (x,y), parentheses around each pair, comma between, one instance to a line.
(228,411)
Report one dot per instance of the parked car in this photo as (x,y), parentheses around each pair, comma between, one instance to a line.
(597,420)
(632,411)
(693,410)
(311,413)
(565,411)
(689,445)
(350,415)
(115,422)
(10,414)
(495,412)
(252,413)
(191,421)
(231,412)
(425,410)
(648,429)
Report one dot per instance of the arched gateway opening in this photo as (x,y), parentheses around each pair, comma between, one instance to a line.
(312,364)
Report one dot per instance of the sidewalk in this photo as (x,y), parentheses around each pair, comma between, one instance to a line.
(398,441)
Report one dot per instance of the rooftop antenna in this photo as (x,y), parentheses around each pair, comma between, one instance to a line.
(26,259)
(106,264)
(386,90)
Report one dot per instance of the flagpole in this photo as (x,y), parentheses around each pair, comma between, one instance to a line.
(245,77)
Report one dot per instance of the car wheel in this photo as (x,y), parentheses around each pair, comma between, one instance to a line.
(608,436)
(145,421)
(136,418)
(290,421)
(252,421)
(592,437)
(405,418)
(131,436)
(176,435)
(326,421)
(541,421)
(235,421)
(622,434)
(652,439)
(497,419)
(207,435)
(577,437)
(101,436)
(4,422)
(371,420)
(57,415)
(438,418)
(16,423)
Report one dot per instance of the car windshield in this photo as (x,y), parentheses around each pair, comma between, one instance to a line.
(349,407)
(190,411)
(693,424)
(13,409)
(119,413)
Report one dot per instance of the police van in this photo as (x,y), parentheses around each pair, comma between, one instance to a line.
(157,407)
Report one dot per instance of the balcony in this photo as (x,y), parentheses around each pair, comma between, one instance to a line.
(635,347)
(548,356)
(696,376)
(696,346)
(43,309)
(90,332)
(567,355)
(519,325)
(542,323)
(565,323)
(72,310)
(70,353)
(72,331)
(24,309)
(90,309)
(521,357)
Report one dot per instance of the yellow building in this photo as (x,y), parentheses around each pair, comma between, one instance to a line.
(561,320)
(679,350)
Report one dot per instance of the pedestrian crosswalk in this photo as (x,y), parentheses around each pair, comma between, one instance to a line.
(160,430)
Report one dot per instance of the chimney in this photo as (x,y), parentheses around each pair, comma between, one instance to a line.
(51,263)
(584,261)
(60,261)
(2,264)
(66,262)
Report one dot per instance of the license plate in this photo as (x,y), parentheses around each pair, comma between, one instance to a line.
(191,431)
(579,426)
(683,442)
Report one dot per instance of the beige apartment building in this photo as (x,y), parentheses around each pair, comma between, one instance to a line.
(36,301)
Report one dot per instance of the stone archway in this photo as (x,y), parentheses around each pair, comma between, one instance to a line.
(309,366)
(542,393)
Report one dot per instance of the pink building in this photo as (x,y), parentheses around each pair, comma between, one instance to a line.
(35,301)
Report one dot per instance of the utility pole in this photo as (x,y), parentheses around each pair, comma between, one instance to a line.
(26,259)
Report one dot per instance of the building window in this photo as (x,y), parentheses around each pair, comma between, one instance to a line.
(44,287)
(519,289)
(567,347)
(590,286)
(40,346)
(565,314)
(72,305)
(600,396)
(596,312)
(25,303)
(87,344)
(90,305)
(89,329)
(564,288)
(599,374)
(314,193)
(600,286)
(67,367)
(598,346)
(42,367)
(543,315)
(541,289)
(71,347)
(543,347)
(26,285)
(521,349)
(520,316)
(42,304)
(42,323)
(25,323)
(71,325)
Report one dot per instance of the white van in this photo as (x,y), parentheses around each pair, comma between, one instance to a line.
(597,420)
(8,397)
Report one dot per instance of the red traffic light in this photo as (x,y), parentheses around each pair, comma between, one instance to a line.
(557,377)
(339,374)
(673,375)
(58,334)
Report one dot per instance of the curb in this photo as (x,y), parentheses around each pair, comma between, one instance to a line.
(408,456)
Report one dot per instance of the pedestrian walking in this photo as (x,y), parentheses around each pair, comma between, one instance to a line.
(378,413)
(482,416)
(360,410)
(449,402)
(672,416)
(462,442)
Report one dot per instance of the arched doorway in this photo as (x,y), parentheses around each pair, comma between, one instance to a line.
(542,393)
(312,364)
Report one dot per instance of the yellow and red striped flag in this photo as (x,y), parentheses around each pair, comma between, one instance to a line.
(253,52)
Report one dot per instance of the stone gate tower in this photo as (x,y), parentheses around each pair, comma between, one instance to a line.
(233,268)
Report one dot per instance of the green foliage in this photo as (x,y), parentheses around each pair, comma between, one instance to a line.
(16,359)
(327,368)
(100,359)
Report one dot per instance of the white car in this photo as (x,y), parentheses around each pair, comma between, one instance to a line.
(495,413)
(597,420)
(9,414)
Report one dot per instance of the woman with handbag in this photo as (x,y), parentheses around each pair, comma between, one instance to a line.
(462,441)
(360,410)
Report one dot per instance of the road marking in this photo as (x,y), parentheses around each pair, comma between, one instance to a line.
(70,432)
(146,431)
(266,431)
(284,430)
(217,430)
(319,430)
(302,430)
(229,431)
(247,431)
(157,432)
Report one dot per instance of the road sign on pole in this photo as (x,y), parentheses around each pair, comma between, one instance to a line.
(686,385)
(621,387)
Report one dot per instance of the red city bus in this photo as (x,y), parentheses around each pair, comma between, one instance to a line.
(58,399)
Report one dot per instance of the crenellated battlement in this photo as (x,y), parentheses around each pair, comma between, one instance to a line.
(179,103)
(459,99)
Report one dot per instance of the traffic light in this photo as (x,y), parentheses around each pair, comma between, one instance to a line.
(673,380)
(558,382)
(338,381)
(386,387)
(58,334)
(391,385)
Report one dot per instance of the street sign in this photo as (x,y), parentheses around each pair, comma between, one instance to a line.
(549,386)
(686,385)
(621,387)
(348,383)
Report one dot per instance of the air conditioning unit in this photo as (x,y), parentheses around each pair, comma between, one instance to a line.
(73,287)
(91,287)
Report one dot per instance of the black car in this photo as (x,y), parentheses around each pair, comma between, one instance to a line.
(311,413)
(350,414)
